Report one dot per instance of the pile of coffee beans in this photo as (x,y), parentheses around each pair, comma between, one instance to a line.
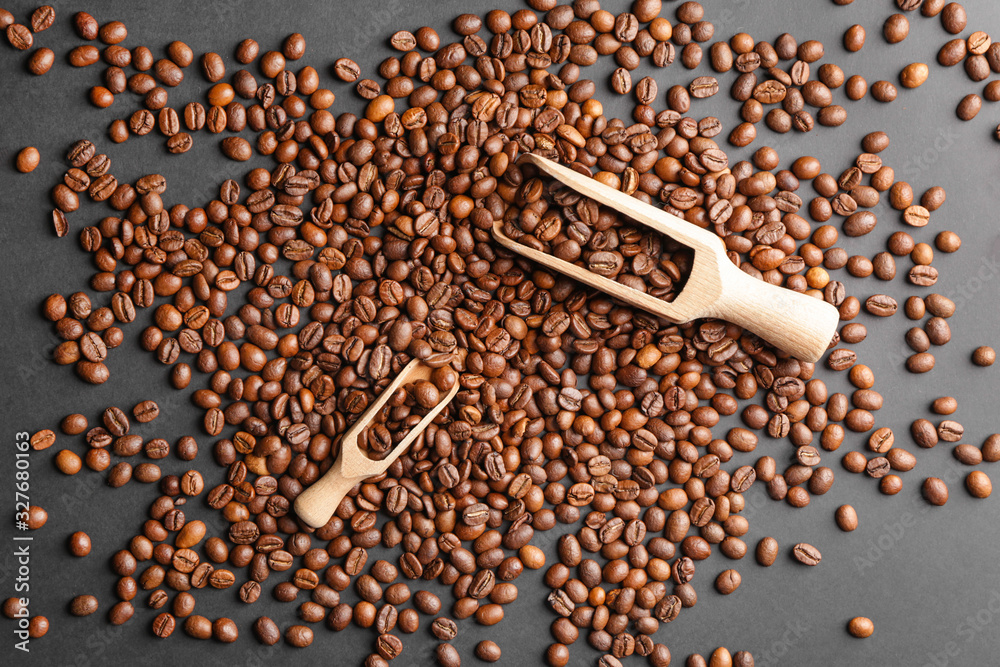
(369,244)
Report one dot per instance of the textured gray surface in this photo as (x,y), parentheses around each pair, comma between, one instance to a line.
(928,577)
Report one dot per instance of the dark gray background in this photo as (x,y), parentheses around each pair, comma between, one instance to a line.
(928,577)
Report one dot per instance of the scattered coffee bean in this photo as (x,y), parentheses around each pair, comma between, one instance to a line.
(83,605)
(979,485)
(935,491)
(806,554)
(847,518)
(984,356)
(861,627)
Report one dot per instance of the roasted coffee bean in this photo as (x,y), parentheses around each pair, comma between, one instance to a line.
(847,518)
(728,581)
(146,411)
(854,38)
(444,629)
(984,356)
(266,631)
(767,551)
(488,651)
(861,627)
(298,636)
(83,605)
(935,491)
(914,75)
(806,554)
(969,107)
(978,484)
(237,148)
(447,655)
(225,630)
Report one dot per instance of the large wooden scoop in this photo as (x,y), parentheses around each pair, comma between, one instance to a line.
(797,323)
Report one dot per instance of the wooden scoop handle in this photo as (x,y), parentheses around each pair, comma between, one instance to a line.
(317,504)
(797,323)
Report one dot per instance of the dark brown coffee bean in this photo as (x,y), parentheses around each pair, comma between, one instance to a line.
(83,605)
(19,36)
(266,631)
(447,655)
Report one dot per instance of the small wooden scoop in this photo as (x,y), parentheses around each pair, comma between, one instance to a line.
(317,504)
(796,323)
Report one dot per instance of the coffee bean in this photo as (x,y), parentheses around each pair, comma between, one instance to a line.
(984,356)
(120,475)
(861,627)
(488,651)
(346,70)
(968,454)
(86,26)
(266,631)
(922,362)
(41,62)
(896,28)
(806,554)
(444,629)
(198,627)
(237,148)
(728,581)
(704,86)
(979,485)
(146,411)
(914,75)
(854,38)
(115,421)
(113,32)
(881,305)
(83,605)
(856,87)
(68,462)
(19,36)
(121,613)
(953,18)
(969,107)
(847,518)
(935,491)
(977,67)
(298,636)
(952,53)
(447,655)
(225,630)
(883,91)
(767,551)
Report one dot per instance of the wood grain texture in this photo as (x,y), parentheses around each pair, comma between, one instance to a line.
(317,504)
(797,323)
